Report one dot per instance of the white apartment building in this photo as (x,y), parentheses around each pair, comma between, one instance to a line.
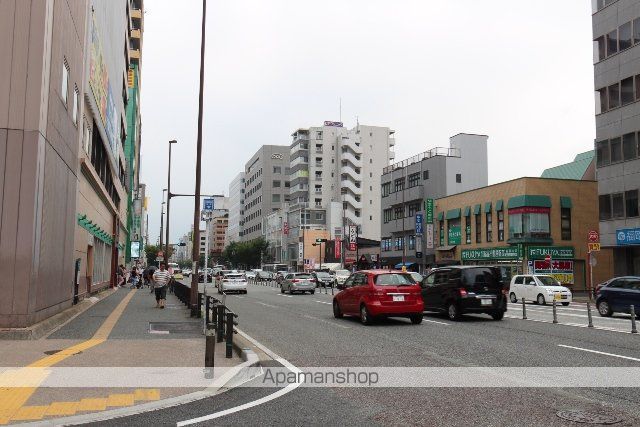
(236,209)
(333,164)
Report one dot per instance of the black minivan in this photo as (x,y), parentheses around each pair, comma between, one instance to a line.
(457,290)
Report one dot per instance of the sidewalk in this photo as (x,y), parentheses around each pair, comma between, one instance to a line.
(124,331)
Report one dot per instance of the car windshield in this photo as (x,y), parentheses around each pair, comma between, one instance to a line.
(548,281)
(343,272)
(394,279)
(322,275)
(417,277)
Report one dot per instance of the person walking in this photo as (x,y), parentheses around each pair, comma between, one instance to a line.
(161,280)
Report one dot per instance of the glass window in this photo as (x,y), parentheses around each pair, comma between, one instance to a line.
(277,169)
(413,208)
(629,147)
(388,215)
(489,225)
(276,184)
(386,189)
(565,223)
(626,91)
(398,212)
(425,175)
(601,100)
(275,198)
(76,97)
(65,82)
(616,150)
(412,242)
(614,96)
(624,36)
(599,49)
(529,222)
(617,205)
(638,86)
(631,203)
(458,178)
(399,184)
(602,153)
(612,42)
(414,179)
(636,30)
(500,226)
(604,202)
(478,228)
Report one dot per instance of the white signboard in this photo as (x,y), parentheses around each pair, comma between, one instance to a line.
(429,236)
(300,250)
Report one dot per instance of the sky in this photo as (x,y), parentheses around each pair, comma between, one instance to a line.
(519,72)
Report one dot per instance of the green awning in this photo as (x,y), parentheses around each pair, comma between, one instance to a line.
(565,202)
(521,201)
(477,209)
(487,207)
(440,216)
(467,211)
(499,205)
(453,214)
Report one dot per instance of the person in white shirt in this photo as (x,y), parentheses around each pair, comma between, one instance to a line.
(161,280)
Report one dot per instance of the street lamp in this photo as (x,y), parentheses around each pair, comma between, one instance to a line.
(162,217)
(319,242)
(173,141)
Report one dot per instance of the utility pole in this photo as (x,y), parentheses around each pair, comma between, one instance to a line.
(173,141)
(162,219)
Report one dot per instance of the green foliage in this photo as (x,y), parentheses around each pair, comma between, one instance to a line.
(246,254)
(152,251)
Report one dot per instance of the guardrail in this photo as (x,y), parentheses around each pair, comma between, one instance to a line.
(273,283)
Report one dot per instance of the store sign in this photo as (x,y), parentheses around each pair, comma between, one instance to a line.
(135,249)
(428,208)
(419,228)
(628,236)
(285,228)
(353,237)
(430,236)
(300,250)
(418,246)
(505,253)
(455,235)
(337,248)
(334,124)
(555,252)
(562,271)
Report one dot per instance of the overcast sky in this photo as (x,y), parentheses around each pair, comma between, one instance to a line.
(518,71)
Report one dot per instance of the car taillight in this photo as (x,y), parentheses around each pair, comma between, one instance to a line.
(312,280)
(463,292)
(379,293)
(295,280)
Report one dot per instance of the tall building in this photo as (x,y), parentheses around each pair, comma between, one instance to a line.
(333,164)
(266,187)
(616,35)
(236,208)
(406,186)
(64,94)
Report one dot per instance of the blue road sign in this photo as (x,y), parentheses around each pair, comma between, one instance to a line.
(419,229)
(208,205)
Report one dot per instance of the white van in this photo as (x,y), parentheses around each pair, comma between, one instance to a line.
(539,289)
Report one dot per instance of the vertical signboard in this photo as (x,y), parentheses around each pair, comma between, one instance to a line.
(428,208)
(353,237)
(300,251)
(419,228)
(208,205)
(285,228)
(429,236)
(337,248)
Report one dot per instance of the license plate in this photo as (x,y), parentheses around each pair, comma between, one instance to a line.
(398,297)
(486,302)
(557,297)
(564,297)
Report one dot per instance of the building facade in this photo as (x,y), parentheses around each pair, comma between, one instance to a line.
(63,128)
(517,223)
(616,35)
(266,187)
(236,208)
(407,185)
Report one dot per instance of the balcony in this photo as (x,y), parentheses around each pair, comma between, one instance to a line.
(136,34)
(301,160)
(351,172)
(136,13)
(392,142)
(134,54)
(319,150)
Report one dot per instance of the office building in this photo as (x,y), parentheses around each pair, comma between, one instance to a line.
(236,209)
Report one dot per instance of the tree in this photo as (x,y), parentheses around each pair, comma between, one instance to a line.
(246,254)
(152,253)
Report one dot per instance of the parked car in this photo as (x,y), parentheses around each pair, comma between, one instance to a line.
(341,277)
(417,277)
(252,273)
(618,295)
(465,289)
(298,282)
(538,288)
(201,278)
(177,274)
(323,279)
(379,293)
(232,282)
(186,272)
(265,275)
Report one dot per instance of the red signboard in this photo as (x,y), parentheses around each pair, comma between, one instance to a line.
(558,266)
(337,248)
(529,209)
(594,236)
(285,228)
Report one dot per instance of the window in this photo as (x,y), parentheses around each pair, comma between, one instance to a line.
(601,100)
(319,134)
(275,198)
(64,91)
(631,203)
(600,48)
(467,229)
(414,179)
(386,189)
(624,36)
(277,169)
(602,153)
(612,42)
(398,212)
(287,184)
(500,226)
(276,184)
(425,175)
(399,184)
(616,150)
(614,96)
(478,228)
(413,208)
(636,30)
(87,140)
(529,222)
(626,91)
(565,223)
(458,178)
(387,215)
(76,99)
(638,85)
(604,202)
(629,147)
(617,205)
(489,226)
(399,243)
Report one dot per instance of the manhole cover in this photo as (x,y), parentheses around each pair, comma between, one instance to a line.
(52,352)
(588,417)
(176,327)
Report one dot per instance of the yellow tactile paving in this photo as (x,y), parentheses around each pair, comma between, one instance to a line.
(146,394)
(99,404)
(27,413)
(120,400)
(62,408)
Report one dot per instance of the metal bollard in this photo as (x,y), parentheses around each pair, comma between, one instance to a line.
(332,289)
(524,310)
(632,310)
(220,323)
(209,352)
(589,315)
(229,343)
(555,312)
(207,307)
(199,305)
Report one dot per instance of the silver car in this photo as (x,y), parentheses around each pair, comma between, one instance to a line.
(298,282)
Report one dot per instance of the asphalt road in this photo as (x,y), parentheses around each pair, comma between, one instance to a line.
(302,329)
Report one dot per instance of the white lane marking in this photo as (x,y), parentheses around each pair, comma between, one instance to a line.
(317,319)
(324,302)
(283,295)
(578,325)
(600,352)
(435,321)
(254,403)
(266,305)
(550,307)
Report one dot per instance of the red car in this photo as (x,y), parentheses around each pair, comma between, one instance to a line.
(379,293)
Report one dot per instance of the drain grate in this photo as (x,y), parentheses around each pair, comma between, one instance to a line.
(175,327)
(588,417)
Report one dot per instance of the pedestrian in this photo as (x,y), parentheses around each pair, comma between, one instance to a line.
(121,275)
(149,271)
(161,280)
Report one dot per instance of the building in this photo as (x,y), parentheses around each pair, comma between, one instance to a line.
(64,94)
(407,185)
(218,228)
(517,223)
(266,187)
(333,164)
(616,35)
(276,234)
(236,208)
(582,167)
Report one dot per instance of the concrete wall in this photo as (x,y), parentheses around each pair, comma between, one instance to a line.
(472,163)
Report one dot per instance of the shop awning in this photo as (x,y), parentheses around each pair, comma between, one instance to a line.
(453,214)
(476,210)
(499,205)
(440,216)
(487,207)
(467,211)
(529,200)
(446,248)
(406,264)
(565,202)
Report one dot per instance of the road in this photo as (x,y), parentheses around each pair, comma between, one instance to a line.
(302,330)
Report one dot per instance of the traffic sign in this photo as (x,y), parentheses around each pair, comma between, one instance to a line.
(321,240)
(208,205)
(592,260)
(159,259)
(594,247)
(594,236)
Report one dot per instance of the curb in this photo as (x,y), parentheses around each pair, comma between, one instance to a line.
(47,326)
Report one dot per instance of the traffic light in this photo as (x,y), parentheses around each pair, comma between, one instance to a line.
(321,240)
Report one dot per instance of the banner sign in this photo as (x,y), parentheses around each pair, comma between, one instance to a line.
(556,252)
(504,253)
(529,209)
(455,235)
(628,236)
(334,124)
(135,249)
(418,246)
(562,270)
(419,229)
(428,208)
(337,248)
(285,228)
(300,250)
(430,236)
(353,237)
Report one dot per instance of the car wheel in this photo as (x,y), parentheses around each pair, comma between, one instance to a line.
(312,292)
(365,317)
(337,313)
(565,304)
(290,291)
(497,315)
(540,300)
(416,319)
(604,309)
(453,311)
(513,298)
(244,292)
